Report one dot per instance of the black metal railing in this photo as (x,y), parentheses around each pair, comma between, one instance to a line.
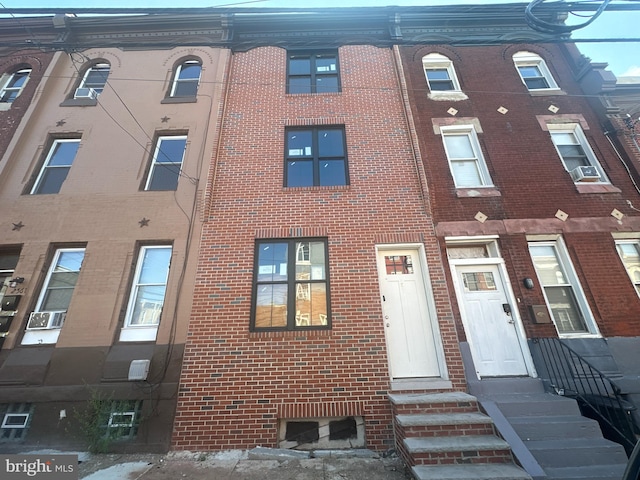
(599,398)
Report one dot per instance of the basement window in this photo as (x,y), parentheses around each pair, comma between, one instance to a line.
(15,418)
(321,433)
(302,432)
(343,429)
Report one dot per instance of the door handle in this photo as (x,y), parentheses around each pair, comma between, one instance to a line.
(507,308)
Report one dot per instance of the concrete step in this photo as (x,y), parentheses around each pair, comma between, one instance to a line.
(469,472)
(493,386)
(577,452)
(591,472)
(444,424)
(535,404)
(449,450)
(555,427)
(449,402)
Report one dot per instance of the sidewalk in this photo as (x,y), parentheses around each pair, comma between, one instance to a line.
(256,464)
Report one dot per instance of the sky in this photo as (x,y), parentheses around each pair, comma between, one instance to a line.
(623,58)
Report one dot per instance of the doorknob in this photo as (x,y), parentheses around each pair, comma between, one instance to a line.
(507,308)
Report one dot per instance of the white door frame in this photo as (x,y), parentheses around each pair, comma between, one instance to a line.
(506,284)
(431,304)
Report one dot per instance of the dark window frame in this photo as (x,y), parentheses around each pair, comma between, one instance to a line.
(313,75)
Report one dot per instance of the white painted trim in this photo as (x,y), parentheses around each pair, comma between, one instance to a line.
(40,337)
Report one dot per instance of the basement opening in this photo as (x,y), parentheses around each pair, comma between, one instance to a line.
(321,433)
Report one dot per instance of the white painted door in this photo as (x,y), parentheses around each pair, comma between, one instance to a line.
(410,339)
(491,332)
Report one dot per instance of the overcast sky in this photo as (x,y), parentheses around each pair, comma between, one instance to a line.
(623,58)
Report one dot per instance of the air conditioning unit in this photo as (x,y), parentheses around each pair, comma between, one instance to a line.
(139,369)
(44,320)
(585,174)
(86,93)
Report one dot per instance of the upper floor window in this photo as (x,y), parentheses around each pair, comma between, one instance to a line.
(313,73)
(576,154)
(315,157)
(290,285)
(186,79)
(629,251)
(56,166)
(466,161)
(534,72)
(93,81)
(14,85)
(441,76)
(166,163)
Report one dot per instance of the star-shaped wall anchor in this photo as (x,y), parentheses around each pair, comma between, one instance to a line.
(165,119)
(17,226)
(144,222)
(60,123)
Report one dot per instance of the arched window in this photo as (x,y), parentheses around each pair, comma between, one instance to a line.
(186,79)
(14,84)
(93,81)
(441,76)
(533,71)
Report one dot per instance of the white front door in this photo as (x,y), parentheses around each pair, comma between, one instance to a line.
(408,326)
(491,331)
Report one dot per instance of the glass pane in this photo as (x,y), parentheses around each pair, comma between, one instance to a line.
(52,180)
(186,89)
(63,153)
(564,138)
(299,143)
(466,173)
(398,264)
(164,177)
(171,150)
(271,306)
(565,310)
(272,262)
(311,304)
(56,299)
(459,146)
(441,85)
(96,78)
(299,66)
(148,305)
(530,71)
(326,84)
(310,261)
(571,150)
(535,83)
(326,64)
(300,85)
(63,280)
(300,173)
(69,261)
(9,96)
(332,172)
(479,281)
(330,143)
(631,259)
(18,80)
(547,265)
(437,74)
(155,266)
(189,71)
(473,251)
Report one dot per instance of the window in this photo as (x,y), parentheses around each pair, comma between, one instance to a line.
(576,154)
(561,288)
(185,82)
(290,285)
(123,419)
(45,322)
(316,157)
(440,73)
(93,82)
(15,419)
(534,72)
(56,166)
(166,163)
(463,151)
(313,73)
(629,251)
(15,83)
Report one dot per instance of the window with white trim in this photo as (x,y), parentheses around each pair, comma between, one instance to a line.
(56,166)
(15,419)
(629,251)
(576,154)
(562,291)
(123,419)
(93,81)
(166,163)
(186,79)
(467,164)
(440,74)
(14,85)
(534,72)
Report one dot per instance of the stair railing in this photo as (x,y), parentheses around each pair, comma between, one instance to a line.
(571,375)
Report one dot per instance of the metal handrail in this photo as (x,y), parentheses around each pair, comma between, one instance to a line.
(572,376)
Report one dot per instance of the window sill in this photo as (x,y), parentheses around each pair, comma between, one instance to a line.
(311,94)
(4,106)
(41,337)
(477,192)
(596,188)
(193,99)
(139,334)
(79,102)
(546,91)
(449,95)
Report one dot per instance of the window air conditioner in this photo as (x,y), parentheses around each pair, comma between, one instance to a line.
(585,174)
(86,93)
(43,320)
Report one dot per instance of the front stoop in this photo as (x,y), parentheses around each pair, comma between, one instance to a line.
(444,436)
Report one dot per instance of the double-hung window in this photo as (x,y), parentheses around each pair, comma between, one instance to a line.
(561,288)
(464,154)
(45,322)
(290,285)
(147,294)
(441,76)
(166,163)
(313,73)
(56,166)
(315,157)
(576,154)
(15,83)
(93,81)
(629,251)
(186,79)
(533,72)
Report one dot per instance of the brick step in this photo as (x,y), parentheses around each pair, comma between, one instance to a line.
(457,450)
(555,427)
(449,402)
(577,452)
(444,424)
(469,472)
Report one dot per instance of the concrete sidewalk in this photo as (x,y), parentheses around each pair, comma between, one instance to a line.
(256,464)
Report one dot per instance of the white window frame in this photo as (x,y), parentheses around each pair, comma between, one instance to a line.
(437,61)
(7,86)
(154,162)
(177,80)
(50,333)
(529,59)
(481,163)
(143,332)
(10,415)
(576,130)
(566,265)
(102,66)
(636,244)
(45,165)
